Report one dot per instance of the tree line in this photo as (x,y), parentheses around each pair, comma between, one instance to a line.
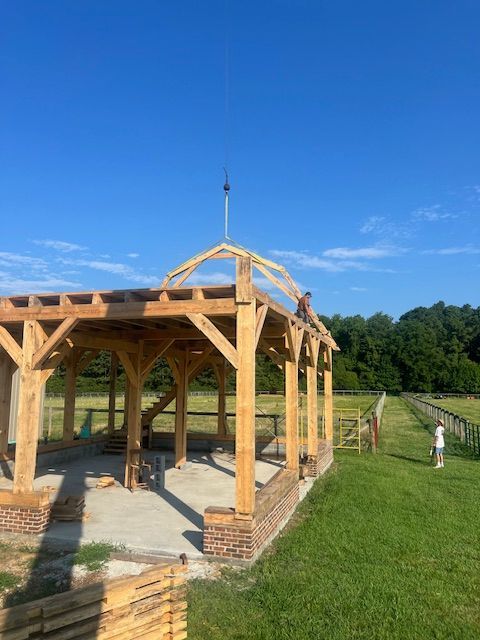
(427,349)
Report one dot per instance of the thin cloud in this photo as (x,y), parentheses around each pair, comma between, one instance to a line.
(453,251)
(12,284)
(385,228)
(115,268)
(369,253)
(359,289)
(18,260)
(133,255)
(304,260)
(59,245)
(432,214)
(210,278)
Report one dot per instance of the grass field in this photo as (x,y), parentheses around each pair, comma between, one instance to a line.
(384,547)
(265,404)
(469,409)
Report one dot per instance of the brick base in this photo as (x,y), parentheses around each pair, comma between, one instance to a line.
(315,466)
(229,536)
(24,513)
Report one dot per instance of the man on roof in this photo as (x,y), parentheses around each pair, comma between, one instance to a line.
(303,309)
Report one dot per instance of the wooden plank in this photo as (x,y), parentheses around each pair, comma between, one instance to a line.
(215,336)
(243,281)
(58,336)
(29,407)
(181,415)
(299,342)
(11,346)
(122,310)
(261,314)
(130,369)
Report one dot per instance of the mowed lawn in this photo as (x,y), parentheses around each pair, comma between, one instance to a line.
(384,547)
(469,409)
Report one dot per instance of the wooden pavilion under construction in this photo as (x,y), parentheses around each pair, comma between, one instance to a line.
(222,327)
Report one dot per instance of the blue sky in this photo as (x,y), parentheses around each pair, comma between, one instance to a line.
(354,145)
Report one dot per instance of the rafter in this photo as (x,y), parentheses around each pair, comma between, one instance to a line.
(215,336)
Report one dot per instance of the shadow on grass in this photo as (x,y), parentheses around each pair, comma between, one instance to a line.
(425,463)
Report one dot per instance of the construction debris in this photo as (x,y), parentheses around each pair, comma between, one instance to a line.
(68,508)
(106,481)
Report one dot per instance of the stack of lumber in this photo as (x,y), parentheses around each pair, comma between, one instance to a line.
(68,508)
(106,481)
(150,606)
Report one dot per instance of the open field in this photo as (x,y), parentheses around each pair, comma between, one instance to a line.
(87,409)
(384,547)
(469,409)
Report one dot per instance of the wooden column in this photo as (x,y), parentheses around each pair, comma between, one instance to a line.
(29,407)
(181,407)
(221,375)
(112,392)
(245,406)
(312,401)
(70,392)
(328,393)
(133,407)
(125,402)
(6,373)
(291,414)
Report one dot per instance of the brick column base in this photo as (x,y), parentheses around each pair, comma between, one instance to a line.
(230,536)
(24,513)
(315,466)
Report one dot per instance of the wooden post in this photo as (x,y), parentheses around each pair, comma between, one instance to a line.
(181,412)
(245,407)
(112,392)
(29,407)
(133,408)
(312,406)
(328,393)
(6,373)
(221,372)
(70,392)
(291,414)
(125,402)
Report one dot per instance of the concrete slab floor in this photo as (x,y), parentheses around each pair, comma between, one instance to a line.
(168,522)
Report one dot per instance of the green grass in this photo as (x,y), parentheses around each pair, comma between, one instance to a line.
(8,580)
(94,555)
(269,404)
(469,409)
(384,547)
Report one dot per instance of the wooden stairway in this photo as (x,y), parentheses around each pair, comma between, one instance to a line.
(117,443)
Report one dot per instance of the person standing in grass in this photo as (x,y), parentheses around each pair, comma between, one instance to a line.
(439,443)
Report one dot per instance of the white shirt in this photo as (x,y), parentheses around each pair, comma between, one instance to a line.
(439,441)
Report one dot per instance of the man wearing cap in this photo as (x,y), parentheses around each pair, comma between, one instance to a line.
(439,443)
(303,309)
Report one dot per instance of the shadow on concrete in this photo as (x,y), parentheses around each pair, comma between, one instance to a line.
(182,507)
(195,538)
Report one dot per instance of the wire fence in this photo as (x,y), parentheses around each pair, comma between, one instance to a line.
(466,431)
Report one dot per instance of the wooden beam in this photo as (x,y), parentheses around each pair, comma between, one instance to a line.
(6,373)
(185,275)
(195,260)
(278,283)
(174,369)
(215,336)
(262,311)
(122,310)
(11,346)
(85,360)
(291,415)
(70,393)
(112,392)
(29,407)
(130,369)
(181,415)
(149,361)
(243,282)
(312,408)
(221,376)
(298,342)
(245,403)
(291,340)
(58,336)
(54,361)
(134,409)
(328,394)
(100,343)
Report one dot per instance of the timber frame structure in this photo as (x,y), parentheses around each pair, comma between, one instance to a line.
(192,327)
